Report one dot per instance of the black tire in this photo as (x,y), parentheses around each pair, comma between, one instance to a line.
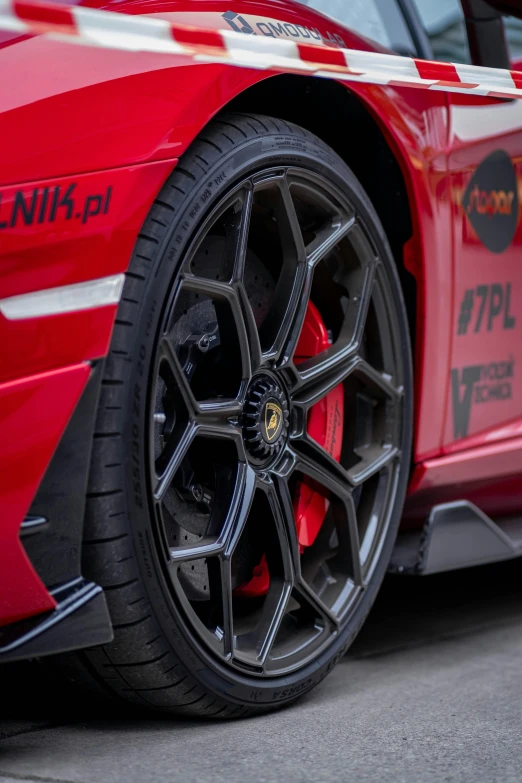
(156,658)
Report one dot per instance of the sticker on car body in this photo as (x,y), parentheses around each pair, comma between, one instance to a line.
(479,384)
(45,204)
(274,28)
(491,305)
(491,201)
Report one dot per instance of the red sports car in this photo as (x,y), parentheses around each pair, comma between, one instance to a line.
(260,341)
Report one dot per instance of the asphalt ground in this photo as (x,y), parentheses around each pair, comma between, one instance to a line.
(431,691)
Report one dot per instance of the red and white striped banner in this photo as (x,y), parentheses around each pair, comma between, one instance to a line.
(142,33)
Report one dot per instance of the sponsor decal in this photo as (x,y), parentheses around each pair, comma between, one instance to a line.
(44,205)
(272,28)
(477,385)
(491,306)
(238,23)
(491,202)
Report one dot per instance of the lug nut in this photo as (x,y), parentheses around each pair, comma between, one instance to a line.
(197,492)
(204,343)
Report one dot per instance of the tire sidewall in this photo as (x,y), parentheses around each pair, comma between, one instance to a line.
(268,151)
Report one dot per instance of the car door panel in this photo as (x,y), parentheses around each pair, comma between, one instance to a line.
(485,164)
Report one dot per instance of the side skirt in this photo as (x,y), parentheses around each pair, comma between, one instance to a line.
(81,619)
(456,535)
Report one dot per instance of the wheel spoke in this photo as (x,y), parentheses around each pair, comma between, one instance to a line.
(328,238)
(241,238)
(380,381)
(362,305)
(317,464)
(239,509)
(204,548)
(220,420)
(313,379)
(307,595)
(168,354)
(316,377)
(373,459)
(280,501)
(214,289)
(256,645)
(245,322)
(292,324)
(292,236)
(273,612)
(344,555)
(294,280)
(182,447)
(349,540)
(250,333)
(218,412)
(248,324)
(228,613)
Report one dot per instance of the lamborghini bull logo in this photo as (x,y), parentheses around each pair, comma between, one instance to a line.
(273,420)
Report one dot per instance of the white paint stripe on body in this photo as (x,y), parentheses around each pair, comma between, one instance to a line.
(65,299)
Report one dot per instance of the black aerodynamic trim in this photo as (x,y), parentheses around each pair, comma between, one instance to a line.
(456,535)
(51,535)
(80,619)
(32,525)
(55,548)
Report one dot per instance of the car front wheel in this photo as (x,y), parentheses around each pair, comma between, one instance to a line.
(253,435)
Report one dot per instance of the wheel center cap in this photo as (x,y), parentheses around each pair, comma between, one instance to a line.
(265,419)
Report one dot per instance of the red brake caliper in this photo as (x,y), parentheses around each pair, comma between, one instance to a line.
(325,426)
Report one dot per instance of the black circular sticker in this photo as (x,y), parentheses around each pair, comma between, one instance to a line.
(491,201)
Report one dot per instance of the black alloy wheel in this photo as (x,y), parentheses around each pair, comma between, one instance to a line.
(245,609)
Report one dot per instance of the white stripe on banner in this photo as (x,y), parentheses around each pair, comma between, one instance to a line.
(494,78)
(269,52)
(9,21)
(132,34)
(389,66)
